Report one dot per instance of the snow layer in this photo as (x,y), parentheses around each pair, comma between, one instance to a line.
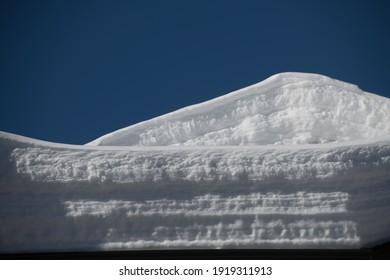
(201,177)
(287,108)
(56,197)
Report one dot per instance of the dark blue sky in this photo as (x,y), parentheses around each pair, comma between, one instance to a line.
(72,71)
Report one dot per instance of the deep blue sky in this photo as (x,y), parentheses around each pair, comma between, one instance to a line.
(72,71)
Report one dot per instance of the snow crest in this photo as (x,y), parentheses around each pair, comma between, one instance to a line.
(285,109)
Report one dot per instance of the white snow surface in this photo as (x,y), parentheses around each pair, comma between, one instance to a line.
(212,189)
(285,109)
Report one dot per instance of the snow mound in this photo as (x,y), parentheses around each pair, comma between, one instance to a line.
(285,109)
(207,176)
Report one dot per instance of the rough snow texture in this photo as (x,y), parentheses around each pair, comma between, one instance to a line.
(177,166)
(60,198)
(57,197)
(288,108)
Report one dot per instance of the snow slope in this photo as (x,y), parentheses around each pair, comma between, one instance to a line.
(58,197)
(287,108)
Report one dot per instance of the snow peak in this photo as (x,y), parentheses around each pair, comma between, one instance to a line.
(149,271)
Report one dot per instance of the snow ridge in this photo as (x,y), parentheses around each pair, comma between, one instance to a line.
(285,109)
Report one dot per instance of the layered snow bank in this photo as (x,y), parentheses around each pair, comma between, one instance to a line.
(56,197)
(285,109)
(296,161)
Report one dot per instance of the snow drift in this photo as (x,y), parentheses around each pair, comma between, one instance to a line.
(203,176)
(288,108)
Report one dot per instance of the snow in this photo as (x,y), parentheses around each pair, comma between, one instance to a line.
(218,166)
(287,108)
(297,161)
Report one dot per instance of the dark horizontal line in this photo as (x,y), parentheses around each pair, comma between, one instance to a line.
(225,254)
